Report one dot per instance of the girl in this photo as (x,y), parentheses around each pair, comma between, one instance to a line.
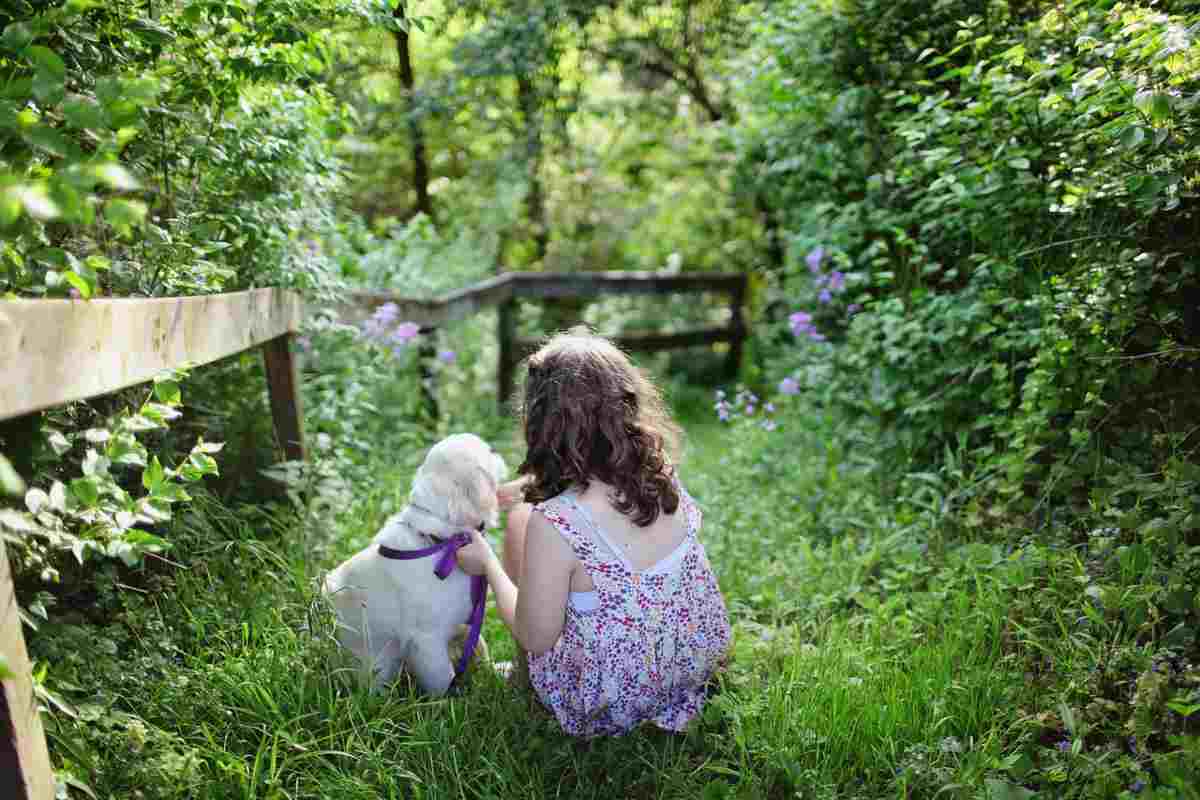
(605,581)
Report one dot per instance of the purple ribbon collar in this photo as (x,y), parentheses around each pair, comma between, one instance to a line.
(446,562)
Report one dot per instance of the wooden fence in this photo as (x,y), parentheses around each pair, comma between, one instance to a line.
(505,290)
(57,351)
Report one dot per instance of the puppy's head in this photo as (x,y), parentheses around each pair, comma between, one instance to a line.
(455,488)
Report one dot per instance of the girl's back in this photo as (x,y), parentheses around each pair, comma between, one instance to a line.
(646,626)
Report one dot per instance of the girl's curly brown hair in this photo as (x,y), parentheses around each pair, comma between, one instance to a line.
(589,413)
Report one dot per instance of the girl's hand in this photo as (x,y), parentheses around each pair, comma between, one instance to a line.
(511,493)
(474,558)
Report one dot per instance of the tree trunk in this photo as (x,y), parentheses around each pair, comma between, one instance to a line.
(535,201)
(416,135)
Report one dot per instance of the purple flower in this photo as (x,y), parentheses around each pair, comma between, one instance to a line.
(768,425)
(723,414)
(1063,745)
(816,336)
(749,410)
(1137,786)
(312,246)
(853,309)
(447,356)
(405,331)
(825,296)
(769,408)
(789,386)
(837,281)
(386,314)
(814,259)
(801,322)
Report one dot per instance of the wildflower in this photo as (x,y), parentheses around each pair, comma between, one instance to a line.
(825,296)
(768,425)
(405,331)
(750,409)
(800,318)
(447,356)
(816,336)
(1063,745)
(312,246)
(769,408)
(814,259)
(1137,786)
(837,281)
(853,309)
(789,386)
(74,293)
(723,414)
(386,314)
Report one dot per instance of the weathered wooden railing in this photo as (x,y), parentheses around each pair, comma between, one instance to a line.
(505,290)
(56,351)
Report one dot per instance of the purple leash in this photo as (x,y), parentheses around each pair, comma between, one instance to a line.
(448,548)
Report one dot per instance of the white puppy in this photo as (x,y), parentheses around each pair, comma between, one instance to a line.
(395,614)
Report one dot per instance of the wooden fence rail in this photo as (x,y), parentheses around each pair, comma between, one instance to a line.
(57,351)
(505,290)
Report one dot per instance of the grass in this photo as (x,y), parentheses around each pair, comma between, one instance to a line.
(869,662)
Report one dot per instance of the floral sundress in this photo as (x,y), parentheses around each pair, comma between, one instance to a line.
(646,649)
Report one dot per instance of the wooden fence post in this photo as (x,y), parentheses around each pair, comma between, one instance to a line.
(25,772)
(506,366)
(737,325)
(283,386)
(426,354)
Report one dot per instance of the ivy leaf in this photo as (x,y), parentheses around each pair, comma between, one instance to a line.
(82,284)
(154,475)
(97,435)
(1132,136)
(86,491)
(10,481)
(58,496)
(36,500)
(58,443)
(16,37)
(167,391)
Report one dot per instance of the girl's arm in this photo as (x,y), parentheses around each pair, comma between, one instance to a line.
(537,612)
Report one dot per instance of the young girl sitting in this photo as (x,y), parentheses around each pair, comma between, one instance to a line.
(605,581)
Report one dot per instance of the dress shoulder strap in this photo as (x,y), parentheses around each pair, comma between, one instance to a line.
(691,509)
(571,526)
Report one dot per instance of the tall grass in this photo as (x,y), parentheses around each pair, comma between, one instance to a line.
(862,668)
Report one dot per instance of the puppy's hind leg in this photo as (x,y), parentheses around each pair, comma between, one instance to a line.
(429,663)
(387,664)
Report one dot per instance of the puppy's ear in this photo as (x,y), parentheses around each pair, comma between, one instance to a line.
(461,496)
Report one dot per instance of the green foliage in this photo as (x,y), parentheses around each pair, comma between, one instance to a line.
(1010,186)
(107,509)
